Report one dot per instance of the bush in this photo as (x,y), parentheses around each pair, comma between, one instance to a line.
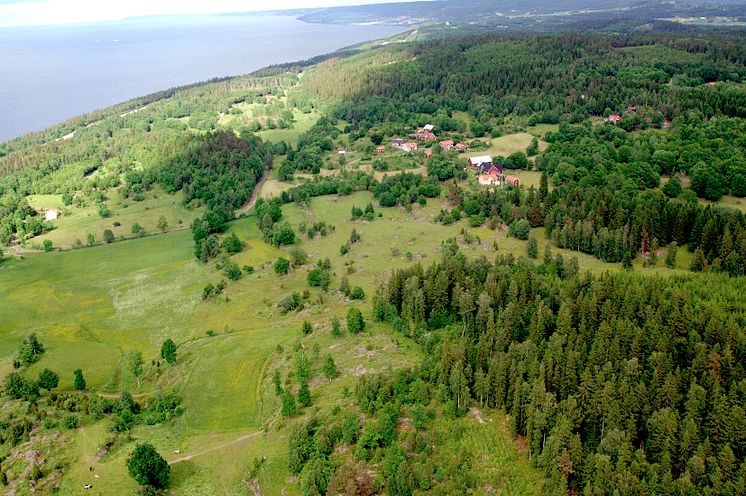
(520,229)
(298,257)
(289,302)
(70,422)
(108,236)
(282,266)
(357,293)
(232,244)
(672,188)
(355,321)
(232,271)
(283,235)
(47,245)
(307,327)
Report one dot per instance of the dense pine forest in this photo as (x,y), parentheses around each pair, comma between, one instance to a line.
(619,384)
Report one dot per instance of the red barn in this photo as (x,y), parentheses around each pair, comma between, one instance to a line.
(380,149)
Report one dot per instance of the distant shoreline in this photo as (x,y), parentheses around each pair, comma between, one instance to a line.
(147,59)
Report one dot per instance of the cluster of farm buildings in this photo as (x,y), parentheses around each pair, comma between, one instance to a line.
(425,134)
(489,174)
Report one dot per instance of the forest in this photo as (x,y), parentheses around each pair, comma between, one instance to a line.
(619,384)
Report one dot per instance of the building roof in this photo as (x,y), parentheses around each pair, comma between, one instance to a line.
(428,127)
(475,161)
(489,168)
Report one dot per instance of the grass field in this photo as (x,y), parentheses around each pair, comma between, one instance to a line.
(509,144)
(88,306)
(76,223)
(728,201)
(303,123)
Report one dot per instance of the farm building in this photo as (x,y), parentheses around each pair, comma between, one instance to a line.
(423,136)
(613,118)
(409,147)
(380,149)
(460,147)
(477,161)
(397,142)
(51,214)
(428,153)
(491,169)
(488,180)
(447,144)
(512,181)
(428,128)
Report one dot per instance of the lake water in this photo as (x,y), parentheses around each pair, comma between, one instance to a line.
(49,74)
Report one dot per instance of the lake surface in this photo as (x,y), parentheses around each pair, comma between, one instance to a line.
(49,74)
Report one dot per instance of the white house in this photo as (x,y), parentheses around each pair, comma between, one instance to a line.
(51,214)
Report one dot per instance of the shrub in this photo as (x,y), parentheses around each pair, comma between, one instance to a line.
(520,229)
(47,245)
(232,244)
(232,271)
(283,235)
(357,293)
(298,256)
(282,266)
(355,321)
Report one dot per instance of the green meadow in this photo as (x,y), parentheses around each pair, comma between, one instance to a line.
(89,306)
(75,223)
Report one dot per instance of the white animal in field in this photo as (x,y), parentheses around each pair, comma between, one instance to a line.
(176,452)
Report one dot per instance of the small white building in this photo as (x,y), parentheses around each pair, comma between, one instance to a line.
(428,127)
(51,214)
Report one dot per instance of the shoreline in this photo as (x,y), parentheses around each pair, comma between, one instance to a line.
(82,118)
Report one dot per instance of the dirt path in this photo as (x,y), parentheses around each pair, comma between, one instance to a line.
(237,440)
(252,199)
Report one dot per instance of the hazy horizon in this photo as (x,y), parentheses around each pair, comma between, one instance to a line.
(24,13)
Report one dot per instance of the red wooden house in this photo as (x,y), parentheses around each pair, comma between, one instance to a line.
(447,144)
